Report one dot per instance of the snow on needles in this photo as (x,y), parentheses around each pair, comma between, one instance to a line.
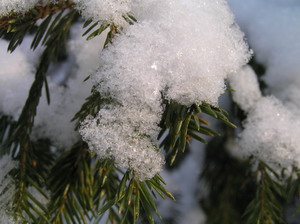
(182,50)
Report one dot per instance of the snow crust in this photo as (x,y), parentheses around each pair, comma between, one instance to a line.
(186,60)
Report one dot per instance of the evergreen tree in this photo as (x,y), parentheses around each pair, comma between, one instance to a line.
(69,157)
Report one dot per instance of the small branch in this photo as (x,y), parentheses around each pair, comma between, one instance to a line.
(38,12)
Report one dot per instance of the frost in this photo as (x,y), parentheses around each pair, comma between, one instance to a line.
(246,87)
(185,60)
(272,133)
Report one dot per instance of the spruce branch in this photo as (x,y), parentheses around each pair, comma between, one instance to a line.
(180,124)
(19,140)
(266,207)
(134,197)
(229,181)
(80,184)
(16,26)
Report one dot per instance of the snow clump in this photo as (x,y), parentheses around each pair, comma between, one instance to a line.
(111,11)
(272,133)
(183,50)
(246,88)
(272,128)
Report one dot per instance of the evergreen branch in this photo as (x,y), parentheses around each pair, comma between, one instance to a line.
(80,184)
(91,107)
(20,135)
(266,208)
(6,128)
(134,196)
(181,123)
(17,25)
(33,173)
(91,32)
(229,182)
(64,177)
(293,187)
(94,102)
(55,43)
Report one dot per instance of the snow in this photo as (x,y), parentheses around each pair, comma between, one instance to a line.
(105,10)
(13,78)
(67,94)
(54,121)
(185,60)
(272,133)
(246,88)
(272,30)
(271,129)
